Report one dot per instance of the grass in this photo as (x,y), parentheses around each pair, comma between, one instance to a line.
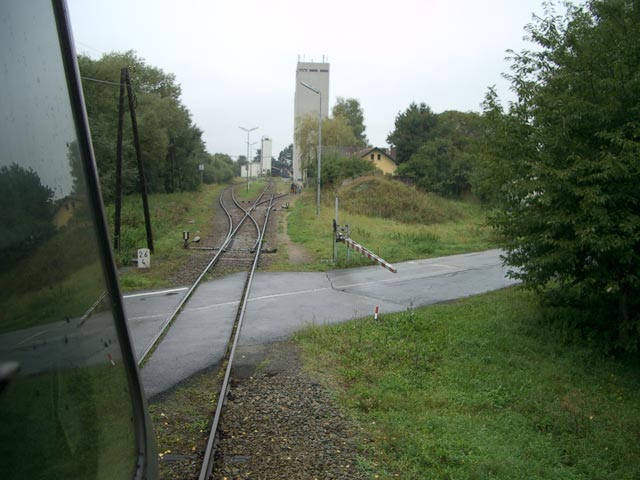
(384,197)
(449,227)
(182,420)
(481,389)
(171,214)
(255,188)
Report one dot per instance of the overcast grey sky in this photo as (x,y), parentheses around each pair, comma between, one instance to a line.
(236,59)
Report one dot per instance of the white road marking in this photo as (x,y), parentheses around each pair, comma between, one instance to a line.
(31,337)
(159,292)
(144,317)
(287,294)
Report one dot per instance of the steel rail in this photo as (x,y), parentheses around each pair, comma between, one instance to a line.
(207,463)
(171,318)
(256,203)
(274,198)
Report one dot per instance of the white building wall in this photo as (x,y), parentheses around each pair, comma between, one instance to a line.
(307,102)
(265,156)
(254,170)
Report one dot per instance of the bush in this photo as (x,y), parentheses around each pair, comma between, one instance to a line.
(336,168)
(565,167)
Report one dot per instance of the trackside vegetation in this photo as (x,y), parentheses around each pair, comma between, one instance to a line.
(171,144)
(562,165)
(171,214)
(481,388)
(391,219)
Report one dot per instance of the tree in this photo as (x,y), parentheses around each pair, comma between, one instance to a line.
(171,144)
(218,168)
(336,167)
(444,164)
(443,148)
(26,209)
(282,164)
(285,157)
(569,208)
(413,128)
(463,129)
(350,110)
(439,166)
(335,133)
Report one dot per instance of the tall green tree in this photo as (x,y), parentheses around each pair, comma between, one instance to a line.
(218,168)
(337,167)
(26,209)
(285,157)
(569,205)
(439,166)
(171,144)
(350,110)
(335,133)
(445,164)
(413,128)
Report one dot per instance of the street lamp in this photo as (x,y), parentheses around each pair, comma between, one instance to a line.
(315,90)
(248,130)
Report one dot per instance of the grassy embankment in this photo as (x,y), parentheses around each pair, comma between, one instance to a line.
(393,220)
(481,388)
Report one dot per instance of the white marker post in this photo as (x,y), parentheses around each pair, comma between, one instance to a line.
(144,258)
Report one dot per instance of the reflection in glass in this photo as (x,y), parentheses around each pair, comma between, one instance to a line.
(67,411)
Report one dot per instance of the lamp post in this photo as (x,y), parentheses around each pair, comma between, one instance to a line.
(248,130)
(315,90)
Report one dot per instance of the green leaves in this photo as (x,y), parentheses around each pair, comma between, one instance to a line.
(171,144)
(562,162)
(437,151)
(412,129)
(351,111)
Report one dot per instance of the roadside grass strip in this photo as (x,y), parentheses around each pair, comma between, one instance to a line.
(481,388)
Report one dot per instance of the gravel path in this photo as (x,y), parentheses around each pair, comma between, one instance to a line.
(281,423)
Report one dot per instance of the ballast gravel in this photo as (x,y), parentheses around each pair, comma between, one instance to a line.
(279,423)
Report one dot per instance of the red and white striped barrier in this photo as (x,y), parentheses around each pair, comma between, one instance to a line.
(367,253)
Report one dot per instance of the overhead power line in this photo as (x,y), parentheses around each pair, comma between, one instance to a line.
(100,81)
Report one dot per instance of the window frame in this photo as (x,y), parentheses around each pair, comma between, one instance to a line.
(146,463)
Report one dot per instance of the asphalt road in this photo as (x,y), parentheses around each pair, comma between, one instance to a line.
(281,303)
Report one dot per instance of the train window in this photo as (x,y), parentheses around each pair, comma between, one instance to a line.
(70,399)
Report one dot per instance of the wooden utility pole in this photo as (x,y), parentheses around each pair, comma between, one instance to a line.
(116,236)
(172,160)
(136,143)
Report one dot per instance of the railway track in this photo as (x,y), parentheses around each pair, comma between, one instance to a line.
(240,249)
(207,463)
(237,249)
